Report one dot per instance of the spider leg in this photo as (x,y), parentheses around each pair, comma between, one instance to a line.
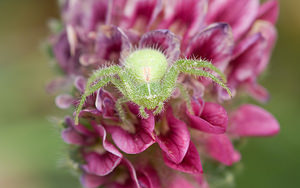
(120,109)
(205,74)
(200,64)
(159,108)
(169,82)
(89,91)
(186,96)
(105,72)
(143,113)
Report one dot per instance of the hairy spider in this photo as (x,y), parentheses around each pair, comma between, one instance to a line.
(147,80)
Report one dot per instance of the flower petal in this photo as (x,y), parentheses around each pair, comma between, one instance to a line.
(71,136)
(269,11)
(148,178)
(180,182)
(64,101)
(104,163)
(175,142)
(214,43)
(238,14)
(100,164)
(250,120)
(184,17)
(105,103)
(137,142)
(247,56)
(221,149)
(62,51)
(190,164)
(140,14)
(91,181)
(213,118)
(164,40)
(110,42)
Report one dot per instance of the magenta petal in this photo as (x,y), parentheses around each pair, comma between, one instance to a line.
(238,14)
(137,142)
(250,120)
(213,118)
(110,42)
(104,163)
(221,149)
(80,83)
(175,142)
(71,136)
(148,178)
(105,103)
(269,11)
(248,53)
(184,17)
(140,14)
(91,181)
(64,101)
(214,43)
(180,182)
(164,40)
(190,164)
(100,164)
(132,173)
(258,92)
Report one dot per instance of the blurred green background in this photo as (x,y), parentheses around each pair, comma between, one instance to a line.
(30,148)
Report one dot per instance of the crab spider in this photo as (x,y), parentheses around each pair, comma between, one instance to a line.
(146,80)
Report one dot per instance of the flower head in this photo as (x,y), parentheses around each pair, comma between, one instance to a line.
(195,128)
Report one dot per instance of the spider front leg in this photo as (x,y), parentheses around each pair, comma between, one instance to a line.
(186,96)
(89,91)
(143,113)
(189,63)
(198,72)
(159,108)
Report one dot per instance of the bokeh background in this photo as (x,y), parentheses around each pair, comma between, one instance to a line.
(31,148)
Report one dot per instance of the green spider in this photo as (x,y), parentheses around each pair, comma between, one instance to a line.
(147,80)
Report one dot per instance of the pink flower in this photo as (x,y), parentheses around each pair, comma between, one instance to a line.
(163,150)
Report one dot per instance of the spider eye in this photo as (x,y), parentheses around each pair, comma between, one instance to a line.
(147,65)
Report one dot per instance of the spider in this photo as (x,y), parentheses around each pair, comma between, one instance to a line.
(146,79)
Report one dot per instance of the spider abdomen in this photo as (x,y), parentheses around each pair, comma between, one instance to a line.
(147,65)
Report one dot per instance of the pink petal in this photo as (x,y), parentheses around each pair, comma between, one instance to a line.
(80,83)
(140,14)
(250,120)
(148,178)
(180,182)
(100,164)
(110,42)
(238,14)
(258,92)
(175,142)
(269,33)
(190,164)
(105,103)
(221,149)
(137,142)
(213,118)
(71,136)
(247,56)
(164,40)
(269,11)
(214,43)
(184,17)
(91,181)
(64,101)
(132,173)
(104,163)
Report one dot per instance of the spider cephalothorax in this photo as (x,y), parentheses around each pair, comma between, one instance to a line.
(147,80)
